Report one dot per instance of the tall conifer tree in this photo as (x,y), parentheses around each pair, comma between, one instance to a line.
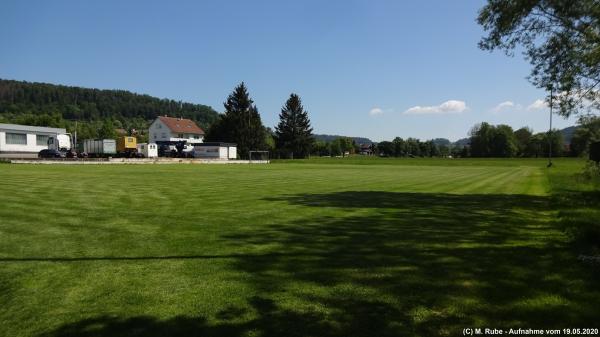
(240,124)
(293,133)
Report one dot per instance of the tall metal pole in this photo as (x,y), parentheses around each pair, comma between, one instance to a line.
(550,133)
(74,147)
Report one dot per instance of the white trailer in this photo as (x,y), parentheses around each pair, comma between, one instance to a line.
(215,150)
(148,150)
(100,147)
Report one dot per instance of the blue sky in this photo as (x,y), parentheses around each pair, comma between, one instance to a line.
(377,69)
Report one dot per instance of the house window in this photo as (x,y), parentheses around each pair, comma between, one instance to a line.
(180,135)
(41,140)
(155,136)
(163,135)
(16,138)
(196,137)
(159,126)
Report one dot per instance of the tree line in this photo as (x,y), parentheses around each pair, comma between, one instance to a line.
(486,140)
(60,106)
(94,113)
(503,142)
(43,104)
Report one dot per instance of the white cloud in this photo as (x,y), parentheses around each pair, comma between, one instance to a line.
(537,105)
(448,107)
(503,105)
(375,111)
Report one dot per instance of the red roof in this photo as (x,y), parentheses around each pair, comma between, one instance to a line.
(181,125)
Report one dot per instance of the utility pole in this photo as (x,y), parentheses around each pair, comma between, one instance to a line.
(550,133)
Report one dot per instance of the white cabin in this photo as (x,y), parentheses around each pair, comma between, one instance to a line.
(148,150)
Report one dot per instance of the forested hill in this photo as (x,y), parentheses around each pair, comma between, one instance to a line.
(43,104)
(330,138)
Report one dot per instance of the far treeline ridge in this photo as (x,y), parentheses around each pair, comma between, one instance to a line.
(96,111)
(99,113)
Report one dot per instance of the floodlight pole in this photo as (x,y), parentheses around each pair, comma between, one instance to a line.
(550,133)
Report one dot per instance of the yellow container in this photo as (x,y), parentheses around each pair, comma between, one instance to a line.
(126,144)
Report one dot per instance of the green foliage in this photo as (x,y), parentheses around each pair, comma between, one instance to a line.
(342,146)
(240,124)
(576,194)
(107,131)
(595,152)
(335,149)
(399,147)
(541,144)
(271,146)
(523,138)
(587,133)
(293,134)
(493,141)
(591,172)
(481,136)
(321,148)
(559,38)
(444,150)
(412,147)
(504,143)
(59,106)
(386,149)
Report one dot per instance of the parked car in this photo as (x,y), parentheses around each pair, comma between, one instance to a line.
(50,153)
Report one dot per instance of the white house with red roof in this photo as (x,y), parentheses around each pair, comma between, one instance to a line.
(172,129)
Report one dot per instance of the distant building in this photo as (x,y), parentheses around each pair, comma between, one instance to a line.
(215,150)
(366,149)
(171,129)
(25,140)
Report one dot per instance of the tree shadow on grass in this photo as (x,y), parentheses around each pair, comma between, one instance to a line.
(579,212)
(394,264)
(443,260)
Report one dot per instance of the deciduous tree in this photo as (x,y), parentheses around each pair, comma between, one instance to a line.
(561,39)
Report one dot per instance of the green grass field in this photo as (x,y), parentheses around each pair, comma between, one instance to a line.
(338,247)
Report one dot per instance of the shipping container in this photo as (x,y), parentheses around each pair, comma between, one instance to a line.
(126,144)
(100,147)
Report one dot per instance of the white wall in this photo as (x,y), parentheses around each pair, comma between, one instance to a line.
(148,150)
(215,152)
(158,131)
(30,147)
(223,152)
(207,151)
(232,152)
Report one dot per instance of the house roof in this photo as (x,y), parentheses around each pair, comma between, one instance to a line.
(181,125)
